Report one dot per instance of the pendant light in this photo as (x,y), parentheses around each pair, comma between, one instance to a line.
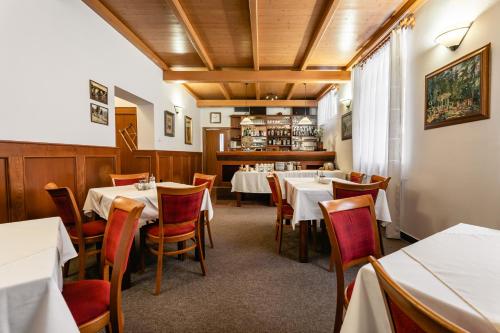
(305,120)
(246,121)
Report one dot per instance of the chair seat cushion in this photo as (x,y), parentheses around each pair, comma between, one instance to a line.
(286,209)
(87,299)
(348,290)
(90,229)
(170,230)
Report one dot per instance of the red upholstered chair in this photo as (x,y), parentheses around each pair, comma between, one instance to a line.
(130,179)
(179,213)
(209,180)
(82,234)
(283,210)
(356,177)
(379,179)
(96,304)
(353,234)
(406,313)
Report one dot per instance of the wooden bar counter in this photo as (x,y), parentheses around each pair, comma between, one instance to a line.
(228,162)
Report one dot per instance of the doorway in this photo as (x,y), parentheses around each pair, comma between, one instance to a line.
(214,139)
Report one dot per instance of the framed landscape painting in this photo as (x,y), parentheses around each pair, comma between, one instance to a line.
(98,92)
(98,114)
(459,92)
(169,123)
(346,126)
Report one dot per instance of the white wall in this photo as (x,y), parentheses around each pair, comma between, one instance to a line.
(343,148)
(451,174)
(50,51)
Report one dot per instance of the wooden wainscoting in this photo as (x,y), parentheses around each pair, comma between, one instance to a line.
(175,166)
(25,168)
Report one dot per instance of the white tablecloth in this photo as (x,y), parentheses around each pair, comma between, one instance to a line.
(32,254)
(303,194)
(455,272)
(256,182)
(99,200)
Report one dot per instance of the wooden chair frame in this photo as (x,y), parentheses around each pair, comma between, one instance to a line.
(142,175)
(279,210)
(357,174)
(81,241)
(331,206)
(425,318)
(379,179)
(354,187)
(156,245)
(211,179)
(113,319)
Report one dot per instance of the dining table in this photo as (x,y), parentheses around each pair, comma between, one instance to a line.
(455,272)
(32,254)
(304,194)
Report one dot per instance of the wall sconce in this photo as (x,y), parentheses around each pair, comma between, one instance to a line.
(347,103)
(453,37)
(177,109)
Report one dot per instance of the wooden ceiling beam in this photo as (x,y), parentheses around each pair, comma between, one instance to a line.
(384,29)
(254,27)
(325,91)
(108,16)
(318,34)
(195,39)
(256,76)
(207,103)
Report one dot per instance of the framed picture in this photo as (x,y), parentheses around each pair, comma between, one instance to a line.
(347,126)
(188,130)
(98,114)
(459,92)
(169,123)
(98,92)
(215,117)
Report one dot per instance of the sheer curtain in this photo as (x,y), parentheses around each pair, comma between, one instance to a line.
(327,118)
(370,115)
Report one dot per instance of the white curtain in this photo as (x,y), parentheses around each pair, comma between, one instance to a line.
(399,57)
(327,118)
(370,115)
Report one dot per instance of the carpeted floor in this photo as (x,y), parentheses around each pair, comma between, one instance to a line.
(248,287)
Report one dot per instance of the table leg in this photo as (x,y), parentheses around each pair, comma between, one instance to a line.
(303,255)
(380,236)
(238,199)
(181,246)
(202,237)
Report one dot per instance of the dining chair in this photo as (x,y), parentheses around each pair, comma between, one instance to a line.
(353,234)
(96,304)
(200,179)
(343,190)
(179,213)
(356,177)
(405,312)
(130,179)
(284,212)
(379,179)
(82,234)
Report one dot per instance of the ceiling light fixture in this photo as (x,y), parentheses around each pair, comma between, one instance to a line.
(246,121)
(453,37)
(305,120)
(178,109)
(271,97)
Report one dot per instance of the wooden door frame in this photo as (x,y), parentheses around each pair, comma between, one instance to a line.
(205,128)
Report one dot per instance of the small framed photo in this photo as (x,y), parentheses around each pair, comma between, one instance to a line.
(98,114)
(347,126)
(215,118)
(98,92)
(169,123)
(188,130)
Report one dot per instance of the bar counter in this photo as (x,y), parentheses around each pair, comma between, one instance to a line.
(228,162)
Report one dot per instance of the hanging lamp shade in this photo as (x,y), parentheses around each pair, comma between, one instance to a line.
(305,120)
(246,121)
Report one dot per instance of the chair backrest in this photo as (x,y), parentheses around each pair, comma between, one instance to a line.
(356,177)
(379,179)
(130,179)
(200,179)
(406,313)
(123,221)
(66,206)
(342,190)
(352,230)
(274,184)
(179,205)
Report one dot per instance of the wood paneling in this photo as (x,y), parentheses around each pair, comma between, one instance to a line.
(25,168)
(4,195)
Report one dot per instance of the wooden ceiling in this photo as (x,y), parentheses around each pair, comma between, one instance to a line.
(273,45)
